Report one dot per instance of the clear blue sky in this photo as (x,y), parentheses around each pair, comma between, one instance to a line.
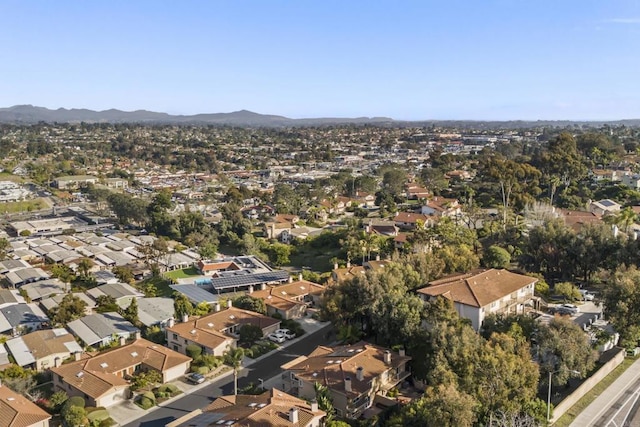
(447,59)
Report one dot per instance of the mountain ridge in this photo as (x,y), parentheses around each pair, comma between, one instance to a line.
(29,114)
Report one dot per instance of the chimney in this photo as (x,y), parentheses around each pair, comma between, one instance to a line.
(263,286)
(77,355)
(57,362)
(290,279)
(138,335)
(229,303)
(347,384)
(216,306)
(314,405)
(377,257)
(300,277)
(335,266)
(293,415)
(250,289)
(402,352)
(360,373)
(348,264)
(387,357)
(122,340)
(171,322)
(185,318)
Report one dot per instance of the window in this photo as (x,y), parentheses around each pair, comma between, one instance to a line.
(175,336)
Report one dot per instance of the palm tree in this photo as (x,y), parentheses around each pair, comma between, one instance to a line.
(625,218)
(233,357)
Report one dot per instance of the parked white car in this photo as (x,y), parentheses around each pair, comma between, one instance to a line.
(586,295)
(277,338)
(286,332)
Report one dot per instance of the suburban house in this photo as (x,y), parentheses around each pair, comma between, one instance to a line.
(121,292)
(414,192)
(604,207)
(44,288)
(579,219)
(101,329)
(482,292)
(102,379)
(442,207)
(354,374)
(350,271)
(10,297)
(54,301)
(235,274)
(290,300)
(273,408)
(18,411)
(410,220)
(363,200)
(218,331)
(43,349)
(381,228)
(155,311)
(18,319)
(274,230)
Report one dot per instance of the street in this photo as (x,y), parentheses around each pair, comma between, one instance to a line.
(262,369)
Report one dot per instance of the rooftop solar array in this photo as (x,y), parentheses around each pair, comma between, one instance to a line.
(195,294)
(245,280)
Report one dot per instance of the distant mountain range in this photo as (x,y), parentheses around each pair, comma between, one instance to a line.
(28,114)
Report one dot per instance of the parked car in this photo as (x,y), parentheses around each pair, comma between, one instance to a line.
(571,308)
(195,378)
(286,332)
(277,338)
(586,295)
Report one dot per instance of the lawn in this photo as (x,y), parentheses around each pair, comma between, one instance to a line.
(161,284)
(586,400)
(23,206)
(315,260)
(182,274)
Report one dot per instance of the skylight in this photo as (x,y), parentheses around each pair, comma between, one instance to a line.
(104,365)
(134,353)
(210,325)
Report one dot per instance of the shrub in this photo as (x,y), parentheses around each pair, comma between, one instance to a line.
(100,414)
(168,388)
(146,403)
(149,395)
(109,422)
(75,401)
(204,370)
(193,351)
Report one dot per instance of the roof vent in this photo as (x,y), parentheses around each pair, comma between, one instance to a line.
(80,374)
(104,365)
(252,405)
(193,332)
(262,405)
(232,317)
(10,399)
(134,353)
(210,325)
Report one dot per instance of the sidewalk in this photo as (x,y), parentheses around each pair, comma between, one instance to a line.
(127,411)
(594,411)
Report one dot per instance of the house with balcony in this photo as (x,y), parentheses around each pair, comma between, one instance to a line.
(215,333)
(354,374)
(482,292)
(273,408)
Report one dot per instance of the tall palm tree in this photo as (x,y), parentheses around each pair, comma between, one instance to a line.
(233,357)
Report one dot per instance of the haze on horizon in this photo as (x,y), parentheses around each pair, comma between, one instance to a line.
(413,60)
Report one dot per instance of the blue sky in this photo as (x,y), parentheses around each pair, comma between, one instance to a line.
(413,60)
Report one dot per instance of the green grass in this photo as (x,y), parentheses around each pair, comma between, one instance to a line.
(23,206)
(319,261)
(161,285)
(182,274)
(586,400)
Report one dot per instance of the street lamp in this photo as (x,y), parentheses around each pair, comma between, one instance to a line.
(549,395)
(261,383)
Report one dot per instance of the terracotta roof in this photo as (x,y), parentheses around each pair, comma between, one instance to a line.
(208,330)
(331,365)
(18,411)
(578,219)
(410,217)
(99,374)
(217,266)
(478,288)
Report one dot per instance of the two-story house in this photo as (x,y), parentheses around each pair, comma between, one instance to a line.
(215,333)
(482,292)
(290,300)
(354,374)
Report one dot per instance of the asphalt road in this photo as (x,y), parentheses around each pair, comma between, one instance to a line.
(265,369)
(624,411)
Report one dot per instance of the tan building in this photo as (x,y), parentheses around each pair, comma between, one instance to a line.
(43,349)
(215,333)
(17,411)
(481,292)
(290,300)
(353,373)
(100,379)
(273,408)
